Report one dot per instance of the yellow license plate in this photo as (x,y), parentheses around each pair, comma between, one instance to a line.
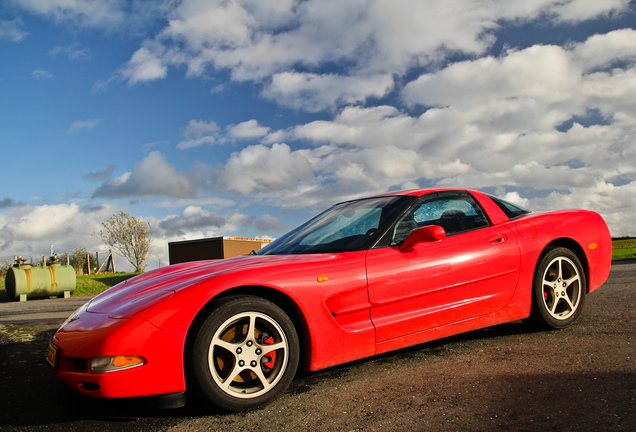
(51,356)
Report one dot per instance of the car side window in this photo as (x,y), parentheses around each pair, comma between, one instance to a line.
(456,213)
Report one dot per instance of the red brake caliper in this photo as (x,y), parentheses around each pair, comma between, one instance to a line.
(272,355)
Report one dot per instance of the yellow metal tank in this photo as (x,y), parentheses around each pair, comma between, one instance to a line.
(39,281)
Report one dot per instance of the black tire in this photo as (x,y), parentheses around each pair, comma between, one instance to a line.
(558,292)
(230,362)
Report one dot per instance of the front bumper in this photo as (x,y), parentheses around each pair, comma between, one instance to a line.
(92,335)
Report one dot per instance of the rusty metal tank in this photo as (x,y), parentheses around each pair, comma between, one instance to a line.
(41,280)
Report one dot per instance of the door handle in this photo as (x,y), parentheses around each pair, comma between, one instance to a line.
(497,239)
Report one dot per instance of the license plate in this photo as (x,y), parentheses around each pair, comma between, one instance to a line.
(51,356)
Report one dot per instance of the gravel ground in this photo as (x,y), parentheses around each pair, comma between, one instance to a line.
(505,378)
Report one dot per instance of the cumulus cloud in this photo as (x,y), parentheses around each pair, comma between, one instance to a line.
(542,73)
(492,123)
(199,132)
(197,222)
(613,202)
(269,224)
(247,130)
(485,121)
(30,230)
(197,202)
(262,168)
(144,65)
(41,74)
(12,30)
(7,202)
(287,44)
(512,107)
(102,175)
(313,92)
(583,10)
(83,125)
(193,219)
(74,51)
(152,176)
(98,13)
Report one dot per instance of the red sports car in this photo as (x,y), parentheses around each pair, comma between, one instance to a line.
(362,278)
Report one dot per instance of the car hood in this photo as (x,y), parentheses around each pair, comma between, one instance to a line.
(146,290)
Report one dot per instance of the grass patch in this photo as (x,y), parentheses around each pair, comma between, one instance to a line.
(623,248)
(95,284)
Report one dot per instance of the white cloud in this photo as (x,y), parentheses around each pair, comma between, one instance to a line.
(83,125)
(198,133)
(313,92)
(29,231)
(285,44)
(193,219)
(196,202)
(585,9)
(262,168)
(41,74)
(12,30)
(541,73)
(204,25)
(356,126)
(152,176)
(98,13)
(199,128)
(603,50)
(539,176)
(498,123)
(613,202)
(144,65)
(247,130)
(196,142)
(268,224)
(73,51)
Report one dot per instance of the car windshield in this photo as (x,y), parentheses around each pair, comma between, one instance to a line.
(348,226)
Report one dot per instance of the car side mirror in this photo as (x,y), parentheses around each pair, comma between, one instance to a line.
(425,234)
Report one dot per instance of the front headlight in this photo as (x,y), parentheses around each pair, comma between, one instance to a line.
(115,363)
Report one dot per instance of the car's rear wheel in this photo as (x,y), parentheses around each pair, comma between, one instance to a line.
(244,354)
(559,288)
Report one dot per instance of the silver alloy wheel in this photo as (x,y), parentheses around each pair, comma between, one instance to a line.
(562,287)
(248,355)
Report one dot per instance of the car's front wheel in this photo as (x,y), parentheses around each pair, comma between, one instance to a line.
(244,354)
(558,293)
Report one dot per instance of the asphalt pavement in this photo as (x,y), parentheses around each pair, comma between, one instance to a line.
(40,309)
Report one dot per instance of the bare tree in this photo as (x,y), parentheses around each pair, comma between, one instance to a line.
(129,236)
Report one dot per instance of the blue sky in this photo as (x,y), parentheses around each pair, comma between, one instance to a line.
(245,117)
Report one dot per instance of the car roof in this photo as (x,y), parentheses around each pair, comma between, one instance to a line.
(419,192)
